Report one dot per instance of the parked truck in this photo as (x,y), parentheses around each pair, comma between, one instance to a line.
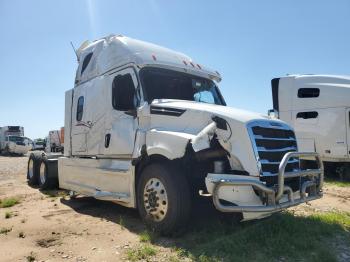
(148,128)
(39,144)
(12,140)
(54,141)
(318,108)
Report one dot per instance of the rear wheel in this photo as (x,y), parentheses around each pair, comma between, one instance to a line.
(47,174)
(33,169)
(163,198)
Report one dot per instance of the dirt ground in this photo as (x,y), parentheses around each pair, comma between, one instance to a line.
(56,228)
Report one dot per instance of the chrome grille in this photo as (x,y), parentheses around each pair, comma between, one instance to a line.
(271,141)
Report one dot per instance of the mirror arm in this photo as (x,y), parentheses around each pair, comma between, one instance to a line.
(131,112)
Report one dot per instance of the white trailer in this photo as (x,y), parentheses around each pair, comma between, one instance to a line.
(54,141)
(12,140)
(147,127)
(318,108)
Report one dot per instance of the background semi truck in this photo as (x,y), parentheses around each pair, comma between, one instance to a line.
(318,108)
(12,140)
(55,141)
(148,128)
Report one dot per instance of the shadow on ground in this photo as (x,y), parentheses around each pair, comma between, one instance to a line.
(203,213)
(213,236)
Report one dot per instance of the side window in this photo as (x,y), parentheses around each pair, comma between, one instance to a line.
(307,115)
(80,108)
(308,92)
(86,62)
(123,93)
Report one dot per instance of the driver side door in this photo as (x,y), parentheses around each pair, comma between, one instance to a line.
(121,121)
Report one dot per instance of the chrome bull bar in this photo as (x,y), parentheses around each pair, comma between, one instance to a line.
(275,194)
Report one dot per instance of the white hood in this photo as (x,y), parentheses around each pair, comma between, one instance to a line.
(239,115)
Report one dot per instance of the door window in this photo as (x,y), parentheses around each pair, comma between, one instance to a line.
(80,108)
(123,93)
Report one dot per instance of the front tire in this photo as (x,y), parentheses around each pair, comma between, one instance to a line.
(163,198)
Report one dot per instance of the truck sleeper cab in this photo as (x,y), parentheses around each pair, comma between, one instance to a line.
(317,107)
(148,128)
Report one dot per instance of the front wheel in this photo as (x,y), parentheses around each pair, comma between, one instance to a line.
(163,198)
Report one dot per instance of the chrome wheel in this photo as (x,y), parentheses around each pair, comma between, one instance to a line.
(42,173)
(31,169)
(155,199)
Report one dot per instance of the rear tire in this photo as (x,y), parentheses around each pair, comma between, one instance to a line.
(163,198)
(47,174)
(33,169)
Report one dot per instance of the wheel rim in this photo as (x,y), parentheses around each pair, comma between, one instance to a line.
(30,168)
(155,199)
(42,173)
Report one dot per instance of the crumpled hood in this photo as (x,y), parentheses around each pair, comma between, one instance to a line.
(239,115)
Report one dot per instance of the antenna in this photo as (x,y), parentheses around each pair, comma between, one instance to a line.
(75,51)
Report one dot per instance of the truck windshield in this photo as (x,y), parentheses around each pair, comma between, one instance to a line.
(16,138)
(167,84)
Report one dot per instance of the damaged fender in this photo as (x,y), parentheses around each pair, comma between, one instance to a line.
(170,144)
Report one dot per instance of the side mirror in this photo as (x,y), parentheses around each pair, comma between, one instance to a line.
(272,113)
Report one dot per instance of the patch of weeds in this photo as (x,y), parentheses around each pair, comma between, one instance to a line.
(55,193)
(31,257)
(335,182)
(141,253)
(47,242)
(174,259)
(182,252)
(147,237)
(21,235)
(5,230)
(8,202)
(121,222)
(280,237)
(8,215)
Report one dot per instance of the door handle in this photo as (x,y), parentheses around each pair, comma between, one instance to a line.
(107,140)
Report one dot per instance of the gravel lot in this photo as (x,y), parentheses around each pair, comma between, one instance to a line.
(51,227)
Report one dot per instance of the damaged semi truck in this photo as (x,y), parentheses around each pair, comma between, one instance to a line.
(147,127)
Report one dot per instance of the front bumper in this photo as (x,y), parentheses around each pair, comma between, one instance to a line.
(271,199)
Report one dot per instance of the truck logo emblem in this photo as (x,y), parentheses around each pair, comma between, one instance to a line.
(88,124)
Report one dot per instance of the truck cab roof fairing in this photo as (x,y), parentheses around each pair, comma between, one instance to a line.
(115,51)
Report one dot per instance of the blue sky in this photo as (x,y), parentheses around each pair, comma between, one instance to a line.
(248,42)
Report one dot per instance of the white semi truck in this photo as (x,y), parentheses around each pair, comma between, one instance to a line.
(147,127)
(318,108)
(12,140)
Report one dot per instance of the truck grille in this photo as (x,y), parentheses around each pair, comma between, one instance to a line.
(271,141)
